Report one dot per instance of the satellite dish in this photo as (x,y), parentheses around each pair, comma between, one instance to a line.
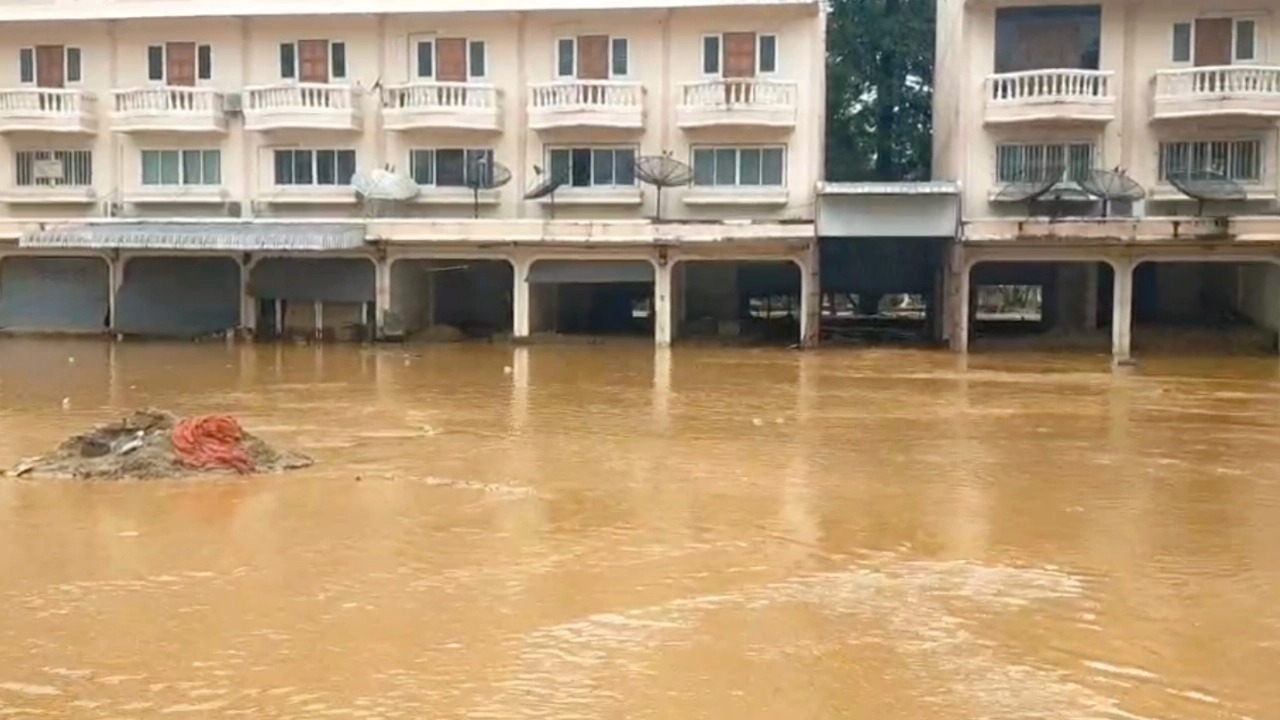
(545,187)
(1030,185)
(384,184)
(662,171)
(483,174)
(1205,185)
(1111,185)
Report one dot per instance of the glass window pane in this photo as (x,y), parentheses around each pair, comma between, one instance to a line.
(204,62)
(1244,39)
(625,167)
(421,167)
(169,171)
(450,168)
(704,167)
(601,167)
(749,166)
(150,167)
(426,59)
(338,58)
(346,166)
(619,57)
(303,167)
(284,167)
(1182,42)
(480,166)
(711,55)
(768,53)
(73,64)
(580,159)
(155,62)
(326,167)
(476,54)
(565,59)
(1046,38)
(726,165)
(191,174)
(560,165)
(773,170)
(212,167)
(286,60)
(27,65)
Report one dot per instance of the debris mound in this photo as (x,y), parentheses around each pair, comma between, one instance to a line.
(153,444)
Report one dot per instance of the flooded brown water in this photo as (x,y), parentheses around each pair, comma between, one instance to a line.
(590,532)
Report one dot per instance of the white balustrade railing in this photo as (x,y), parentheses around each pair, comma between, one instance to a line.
(443,96)
(46,101)
(748,92)
(306,97)
(1218,80)
(599,94)
(1044,85)
(169,99)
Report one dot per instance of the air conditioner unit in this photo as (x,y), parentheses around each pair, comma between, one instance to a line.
(233,103)
(234,209)
(47,169)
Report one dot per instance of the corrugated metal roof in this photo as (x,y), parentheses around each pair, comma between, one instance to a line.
(932,187)
(235,237)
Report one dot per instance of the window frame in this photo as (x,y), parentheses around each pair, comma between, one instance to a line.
(1263,147)
(164,62)
(66,65)
(50,154)
(314,166)
(182,167)
(592,186)
(1095,144)
(737,183)
(418,39)
(759,52)
(297,66)
(573,53)
(434,152)
(1259,38)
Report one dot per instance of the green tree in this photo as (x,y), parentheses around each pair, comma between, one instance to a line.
(879,89)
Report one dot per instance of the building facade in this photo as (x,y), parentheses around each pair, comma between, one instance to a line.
(216,143)
(1176,97)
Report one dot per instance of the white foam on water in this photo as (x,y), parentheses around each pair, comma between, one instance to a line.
(29,688)
(1126,670)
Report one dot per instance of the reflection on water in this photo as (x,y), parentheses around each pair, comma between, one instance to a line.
(589,532)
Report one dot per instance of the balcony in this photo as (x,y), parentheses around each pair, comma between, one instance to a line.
(1038,96)
(302,106)
(586,103)
(53,110)
(740,102)
(442,105)
(1228,91)
(168,109)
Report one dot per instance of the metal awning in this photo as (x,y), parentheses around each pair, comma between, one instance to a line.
(888,209)
(235,237)
(590,271)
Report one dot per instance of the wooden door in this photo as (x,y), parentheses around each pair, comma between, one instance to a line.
(50,66)
(1213,41)
(313,61)
(180,64)
(593,57)
(739,55)
(451,60)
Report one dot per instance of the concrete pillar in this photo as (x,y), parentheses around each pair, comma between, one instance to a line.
(810,297)
(663,305)
(382,291)
(521,305)
(248,304)
(115,271)
(1122,310)
(1091,296)
(960,302)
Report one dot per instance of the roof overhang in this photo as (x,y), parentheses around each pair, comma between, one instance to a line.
(888,209)
(208,237)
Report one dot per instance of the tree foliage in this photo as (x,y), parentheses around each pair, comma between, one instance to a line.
(879,89)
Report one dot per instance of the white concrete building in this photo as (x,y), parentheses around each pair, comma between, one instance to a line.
(140,137)
(1169,92)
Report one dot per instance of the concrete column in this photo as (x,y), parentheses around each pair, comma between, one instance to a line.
(663,305)
(1091,296)
(1122,310)
(521,305)
(959,300)
(115,271)
(248,304)
(810,297)
(382,291)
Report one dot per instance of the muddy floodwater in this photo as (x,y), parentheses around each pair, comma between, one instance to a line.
(610,532)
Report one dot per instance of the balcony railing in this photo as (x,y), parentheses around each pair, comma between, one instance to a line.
(322,106)
(168,109)
(586,103)
(1060,94)
(1217,91)
(47,110)
(457,105)
(738,101)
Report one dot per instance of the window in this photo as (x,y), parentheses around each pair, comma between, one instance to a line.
(181,167)
(449,167)
(1239,160)
(1036,162)
(41,168)
(1245,40)
(738,166)
(1047,38)
(314,167)
(739,54)
(49,65)
(1182,42)
(1216,41)
(179,63)
(450,59)
(593,57)
(313,61)
(594,167)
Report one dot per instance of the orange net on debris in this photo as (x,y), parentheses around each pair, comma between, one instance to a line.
(212,442)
